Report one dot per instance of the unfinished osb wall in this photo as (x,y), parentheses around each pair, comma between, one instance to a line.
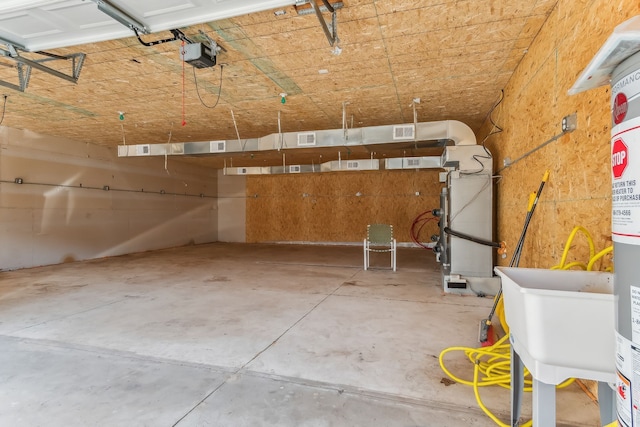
(535,100)
(336,207)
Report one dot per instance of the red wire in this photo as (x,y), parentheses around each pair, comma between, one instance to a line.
(184,122)
(420,219)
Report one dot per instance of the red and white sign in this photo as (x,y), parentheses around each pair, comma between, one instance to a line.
(619,158)
(625,185)
(620,107)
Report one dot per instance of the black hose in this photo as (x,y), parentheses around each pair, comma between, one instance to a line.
(327,5)
(471,238)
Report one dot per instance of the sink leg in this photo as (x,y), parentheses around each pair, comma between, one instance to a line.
(517,387)
(606,401)
(544,404)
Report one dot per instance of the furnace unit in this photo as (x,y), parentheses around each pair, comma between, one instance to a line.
(466,221)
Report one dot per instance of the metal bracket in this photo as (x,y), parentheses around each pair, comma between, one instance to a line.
(302,10)
(332,35)
(121,16)
(569,123)
(24,66)
(213,45)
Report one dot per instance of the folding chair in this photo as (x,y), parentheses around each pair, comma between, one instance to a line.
(380,239)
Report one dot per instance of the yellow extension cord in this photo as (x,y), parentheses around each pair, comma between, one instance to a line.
(492,365)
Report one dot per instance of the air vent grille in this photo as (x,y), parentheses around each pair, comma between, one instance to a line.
(143,150)
(413,163)
(217,146)
(403,132)
(353,164)
(306,139)
(294,169)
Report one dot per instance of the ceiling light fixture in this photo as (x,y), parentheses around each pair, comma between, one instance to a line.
(323,71)
(279,12)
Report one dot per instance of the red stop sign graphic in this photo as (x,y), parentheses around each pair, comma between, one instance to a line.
(619,157)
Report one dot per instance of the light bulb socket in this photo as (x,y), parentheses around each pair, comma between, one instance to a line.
(18,181)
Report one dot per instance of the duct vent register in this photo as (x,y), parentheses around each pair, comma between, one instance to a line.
(217,146)
(306,139)
(403,132)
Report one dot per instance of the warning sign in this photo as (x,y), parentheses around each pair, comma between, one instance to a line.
(619,158)
(625,191)
(624,368)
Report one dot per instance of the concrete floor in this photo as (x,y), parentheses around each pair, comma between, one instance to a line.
(242,335)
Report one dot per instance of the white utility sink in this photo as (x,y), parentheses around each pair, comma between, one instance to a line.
(561,322)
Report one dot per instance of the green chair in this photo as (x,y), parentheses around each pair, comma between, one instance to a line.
(380,239)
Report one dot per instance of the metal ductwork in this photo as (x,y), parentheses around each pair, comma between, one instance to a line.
(337,165)
(446,131)
(425,162)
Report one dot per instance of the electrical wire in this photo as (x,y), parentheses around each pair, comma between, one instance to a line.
(198,90)
(4,108)
(495,129)
(416,227)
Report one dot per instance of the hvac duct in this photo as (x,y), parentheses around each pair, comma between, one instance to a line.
(447,130)
(337,165)
(425,162)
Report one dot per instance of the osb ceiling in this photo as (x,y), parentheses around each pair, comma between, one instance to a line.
(455,56)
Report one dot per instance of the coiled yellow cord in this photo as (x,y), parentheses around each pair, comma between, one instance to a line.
(567,246)
(599,255)
(492,365)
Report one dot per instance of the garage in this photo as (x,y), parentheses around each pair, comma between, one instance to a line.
(188,189)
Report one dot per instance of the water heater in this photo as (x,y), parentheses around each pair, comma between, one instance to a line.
(625,228)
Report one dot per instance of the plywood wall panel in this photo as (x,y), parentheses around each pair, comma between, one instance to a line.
(536,99)
(327,208)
